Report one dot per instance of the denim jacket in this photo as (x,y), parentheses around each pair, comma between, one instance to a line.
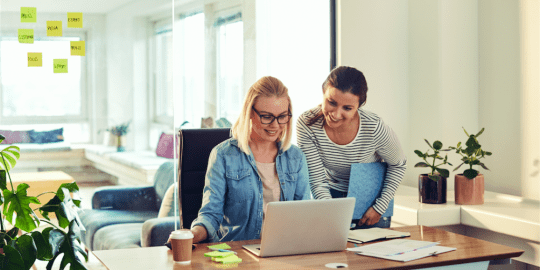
(232,206)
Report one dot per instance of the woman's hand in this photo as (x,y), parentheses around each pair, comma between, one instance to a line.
(370,217)
(199,234)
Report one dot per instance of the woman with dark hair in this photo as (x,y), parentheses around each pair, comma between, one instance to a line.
(338,133)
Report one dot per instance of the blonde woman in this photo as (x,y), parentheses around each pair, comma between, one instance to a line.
(256,166)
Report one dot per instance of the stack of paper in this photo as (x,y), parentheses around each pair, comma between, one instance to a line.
(373,234)
(222,256)
(401,250)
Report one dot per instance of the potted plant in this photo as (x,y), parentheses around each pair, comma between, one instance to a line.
(119,131)
(22,245)
(469,186)
(432,186)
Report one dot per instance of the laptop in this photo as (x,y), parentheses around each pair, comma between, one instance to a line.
(300,227)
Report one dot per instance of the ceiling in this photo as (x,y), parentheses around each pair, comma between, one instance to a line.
(85,6)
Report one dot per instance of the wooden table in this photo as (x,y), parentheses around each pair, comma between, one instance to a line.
(474,252)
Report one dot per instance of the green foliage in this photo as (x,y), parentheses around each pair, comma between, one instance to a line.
(472,154)
(436,172)
(20,252)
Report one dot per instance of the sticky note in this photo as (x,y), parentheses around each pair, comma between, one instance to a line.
(54,28)
(229,259)
(218,254)
(28,14)
(74,20)
(34,59)
(26,35)
(220,246)
(78,48)
(60,65)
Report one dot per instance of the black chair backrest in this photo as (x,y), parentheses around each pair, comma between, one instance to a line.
(195,147)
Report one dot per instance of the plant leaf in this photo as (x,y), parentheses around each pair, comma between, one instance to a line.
(434,177)
(69,247)
(19,202)
(428,144)
(65,209)
(418,153)
(465,131)
(421,164)
(488,153)
(44,251)
(437,145)
(479,132)
(483,166)
(3,182)
(444,172)
(11,259)
(73,189)
(470,173)
(11,154)
(28,250)
(458,166)
(459,143)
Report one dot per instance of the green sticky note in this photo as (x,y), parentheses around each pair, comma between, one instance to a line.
(34,59)
(220,246)
(28,14)
(230,259)
(74,20)
(218,254)
(54,28)
(78,48)
(26,35)
(60,65)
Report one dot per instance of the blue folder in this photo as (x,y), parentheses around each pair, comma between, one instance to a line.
(365,184)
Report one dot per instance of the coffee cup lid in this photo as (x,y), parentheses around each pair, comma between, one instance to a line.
(182,234)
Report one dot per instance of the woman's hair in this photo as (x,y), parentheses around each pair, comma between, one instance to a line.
(265,87)
(347,80)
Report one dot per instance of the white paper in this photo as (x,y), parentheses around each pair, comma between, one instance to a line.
(372,234)
(393,247)
(413,255)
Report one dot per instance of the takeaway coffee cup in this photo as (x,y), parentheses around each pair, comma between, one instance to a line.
(181,242)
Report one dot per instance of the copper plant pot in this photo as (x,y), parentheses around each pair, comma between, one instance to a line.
(469,191)
(429,191)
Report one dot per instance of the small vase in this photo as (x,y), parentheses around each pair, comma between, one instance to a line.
(120,144)
(469,191)
(432,192)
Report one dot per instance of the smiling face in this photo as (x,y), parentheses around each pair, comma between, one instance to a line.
(267,107)
(339,108)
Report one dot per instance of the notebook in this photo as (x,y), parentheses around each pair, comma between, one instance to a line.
(365,184)
(300,227)
(374,234)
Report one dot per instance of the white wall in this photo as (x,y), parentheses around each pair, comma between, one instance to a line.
(127,63)
(435,66)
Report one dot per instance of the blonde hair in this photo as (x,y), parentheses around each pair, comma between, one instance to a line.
(266,87)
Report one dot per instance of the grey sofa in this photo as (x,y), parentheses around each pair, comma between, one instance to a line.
(126,217)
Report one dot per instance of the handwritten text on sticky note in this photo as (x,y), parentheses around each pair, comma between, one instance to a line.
(54,28)
(34,59)
(60,65)
(28,14)
(78,48)
(74,20)
(26,35)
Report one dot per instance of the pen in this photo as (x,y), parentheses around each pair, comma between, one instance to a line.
(223,250)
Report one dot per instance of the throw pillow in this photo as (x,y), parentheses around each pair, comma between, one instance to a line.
(15,136)
(167,204)
(165,146)
(55,135)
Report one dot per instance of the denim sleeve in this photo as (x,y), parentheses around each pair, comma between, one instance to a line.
(211,212)
(302,191)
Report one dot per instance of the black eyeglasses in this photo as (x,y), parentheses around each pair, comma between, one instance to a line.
(268,119)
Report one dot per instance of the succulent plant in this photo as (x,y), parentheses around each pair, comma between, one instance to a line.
(472,154)
(436,172)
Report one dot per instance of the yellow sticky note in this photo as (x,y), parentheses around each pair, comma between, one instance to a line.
(60,65)
(78,48)
(26,35)
(220,246)
(34,59)
(54,28)
(28,14)
(74,20)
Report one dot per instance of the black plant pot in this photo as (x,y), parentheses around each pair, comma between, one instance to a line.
(429,191)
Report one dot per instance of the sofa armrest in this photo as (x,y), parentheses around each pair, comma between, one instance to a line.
(125,198)
(156,231)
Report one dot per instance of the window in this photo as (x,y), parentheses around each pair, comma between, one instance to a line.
(162,77)
(35,96)
(230,66)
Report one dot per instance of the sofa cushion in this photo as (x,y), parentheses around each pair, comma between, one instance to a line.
(167,204)
(94,220)
(16,136)
(119,236)
(165,147)
(56,135)
(44,147)
(146,160)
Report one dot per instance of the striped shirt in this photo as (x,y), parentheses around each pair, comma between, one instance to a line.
(329,164)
